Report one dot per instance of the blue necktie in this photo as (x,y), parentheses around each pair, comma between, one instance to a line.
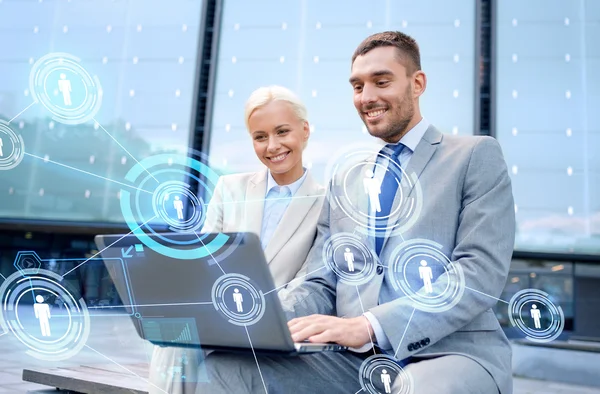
(389,186)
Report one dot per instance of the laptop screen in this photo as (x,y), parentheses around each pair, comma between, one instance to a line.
(224,298)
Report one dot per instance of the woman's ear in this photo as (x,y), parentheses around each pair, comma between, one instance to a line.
(306,130)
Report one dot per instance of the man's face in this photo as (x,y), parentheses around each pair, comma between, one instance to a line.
(383,93)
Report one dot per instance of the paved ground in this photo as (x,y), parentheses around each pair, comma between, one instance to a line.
(113,340)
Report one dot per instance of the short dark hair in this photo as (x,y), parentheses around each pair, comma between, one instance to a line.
(407,47)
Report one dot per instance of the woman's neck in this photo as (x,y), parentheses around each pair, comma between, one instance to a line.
(289,177)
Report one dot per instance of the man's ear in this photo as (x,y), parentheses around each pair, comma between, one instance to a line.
(419,83)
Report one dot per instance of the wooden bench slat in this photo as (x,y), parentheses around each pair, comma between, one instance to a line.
(92,379)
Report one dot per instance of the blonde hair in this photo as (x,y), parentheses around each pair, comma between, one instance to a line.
(264,95)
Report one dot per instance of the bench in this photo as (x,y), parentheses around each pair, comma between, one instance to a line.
(108,378)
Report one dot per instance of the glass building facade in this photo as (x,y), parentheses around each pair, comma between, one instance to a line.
(307,47)
(548,95)
(144,54)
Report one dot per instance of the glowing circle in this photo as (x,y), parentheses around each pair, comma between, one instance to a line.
(166,211)
(349,258)
(349,170)
(167,195)
(12,148)
(65,88)
(44,314)
(533,312)
(421,271)
(238,299)
(377,369)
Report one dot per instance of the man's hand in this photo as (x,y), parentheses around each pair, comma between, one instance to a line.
(353,332)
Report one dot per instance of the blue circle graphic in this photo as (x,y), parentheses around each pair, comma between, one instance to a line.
(166,214)
(356,173)
(421,271)
(12,148)
(65,88)
(45,314)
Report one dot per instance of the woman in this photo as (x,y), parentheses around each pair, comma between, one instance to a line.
(280,203)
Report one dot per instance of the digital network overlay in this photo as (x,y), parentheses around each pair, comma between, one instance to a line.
(44,313)
(165,202)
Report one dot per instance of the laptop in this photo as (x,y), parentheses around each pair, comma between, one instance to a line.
(191,303)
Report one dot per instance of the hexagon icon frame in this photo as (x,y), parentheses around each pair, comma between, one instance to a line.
(24,257)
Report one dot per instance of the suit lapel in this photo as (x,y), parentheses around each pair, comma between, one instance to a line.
(419,160)
(255,202)
(301,203)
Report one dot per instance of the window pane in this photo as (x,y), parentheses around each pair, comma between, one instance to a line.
(307,46)
(144,55)
(548,92)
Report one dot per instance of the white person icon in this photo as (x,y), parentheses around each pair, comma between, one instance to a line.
(64,86)
(386,379)
(372,187)
(426,275)
(42,313)
(536,315)
(178,205)
(349,258)
(238,299)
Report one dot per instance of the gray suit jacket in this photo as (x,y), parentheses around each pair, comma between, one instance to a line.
(468,209)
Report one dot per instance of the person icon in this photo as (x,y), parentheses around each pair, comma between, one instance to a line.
(536,315)
(64,86)
(386,379)
(426,275)
(238,299)
(1,153)
(349,258)
(373,189)
(178,205)
(42,313)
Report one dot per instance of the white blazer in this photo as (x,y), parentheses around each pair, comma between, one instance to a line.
(237,206)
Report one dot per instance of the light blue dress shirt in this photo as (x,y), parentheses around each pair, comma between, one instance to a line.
(410,140)
(277,200)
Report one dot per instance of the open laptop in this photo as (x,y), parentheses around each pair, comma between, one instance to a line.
(170,300)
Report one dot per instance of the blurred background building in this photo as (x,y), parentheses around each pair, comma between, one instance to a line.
(176,74)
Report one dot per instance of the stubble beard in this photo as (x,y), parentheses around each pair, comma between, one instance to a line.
(401,118)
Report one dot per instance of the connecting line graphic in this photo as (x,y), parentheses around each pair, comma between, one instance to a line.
(358,391)
(19,114)
(211,255)
(126,369)
(403,334)
(86,172)
(303,276)
(118,143)
(264,199)
(73,269)
(256,359)
(477,291)
(148,305)
(4,333)
(362,308)
(3,276)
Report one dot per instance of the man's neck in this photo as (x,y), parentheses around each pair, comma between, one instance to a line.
(411,125)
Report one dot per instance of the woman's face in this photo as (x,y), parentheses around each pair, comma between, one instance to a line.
(279,137)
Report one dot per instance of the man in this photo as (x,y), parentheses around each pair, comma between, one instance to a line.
(467,208)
